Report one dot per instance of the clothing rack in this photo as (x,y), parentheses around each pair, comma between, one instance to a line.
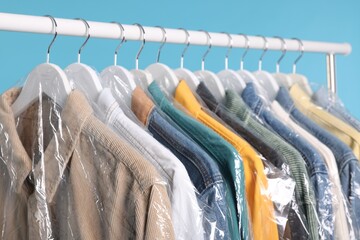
(73,27)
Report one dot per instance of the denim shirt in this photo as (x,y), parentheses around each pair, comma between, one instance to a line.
(316,166)
(323,98)
(203,171)
(225,155)
(348,165)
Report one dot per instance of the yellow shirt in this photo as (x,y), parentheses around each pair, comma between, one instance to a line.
(261,207)
(346,133)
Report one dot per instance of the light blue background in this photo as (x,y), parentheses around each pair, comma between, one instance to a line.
(322,20)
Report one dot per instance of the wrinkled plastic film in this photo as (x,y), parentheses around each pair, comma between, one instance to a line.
(213,205)
(342,214)
(296,225)
(280,191)
(121,90)
(64,175)
(344,131)
(323,183)
(329,101)
(277,187)
(320,185)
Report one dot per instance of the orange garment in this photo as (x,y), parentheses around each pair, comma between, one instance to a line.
(260,206)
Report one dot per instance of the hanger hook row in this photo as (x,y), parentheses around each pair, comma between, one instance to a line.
(142,35)
(186,48)
(163,41)
(123,40)
(230,46)
(54,26)
(302,49)
(87,37)
(247,43)
(207,51)
(283,49)
(266,47)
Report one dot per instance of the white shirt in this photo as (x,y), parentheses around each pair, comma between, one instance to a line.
(186,213)
(341,212)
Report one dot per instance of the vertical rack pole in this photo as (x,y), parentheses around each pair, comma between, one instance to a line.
(330,70)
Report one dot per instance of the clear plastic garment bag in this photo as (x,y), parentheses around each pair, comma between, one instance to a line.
(158,153)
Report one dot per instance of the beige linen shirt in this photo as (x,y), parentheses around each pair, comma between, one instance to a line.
(67,176)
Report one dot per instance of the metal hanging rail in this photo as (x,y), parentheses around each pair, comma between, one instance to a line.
(72,27)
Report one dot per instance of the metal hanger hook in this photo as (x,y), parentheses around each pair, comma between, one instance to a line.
(186,48)
(123,40)
(266,47)
(87,38)
(230,46)
(207,51)
(247,42)
(142,34)
(163,41)
(283,49)
(302,49)
(54,26)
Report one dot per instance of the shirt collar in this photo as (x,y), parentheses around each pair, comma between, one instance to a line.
(54,161)
(186,98)
(235,103)
(299,94)
(108,105)
(280,111)
(252,99)
(207,96)
(141,105)
(158,95)
(285,100)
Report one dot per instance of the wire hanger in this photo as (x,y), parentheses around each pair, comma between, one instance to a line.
(142,78)
(283,53)
(82,76)
(46,78)
(161,73)
(265,79)
(281,78)
(210,79)
(186,48)
(183,73)
(298,78)
(230,46)
(229,78)
(123,40)
(163,41)
(301,45)
(118,78)
(247,42)
(246,75)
